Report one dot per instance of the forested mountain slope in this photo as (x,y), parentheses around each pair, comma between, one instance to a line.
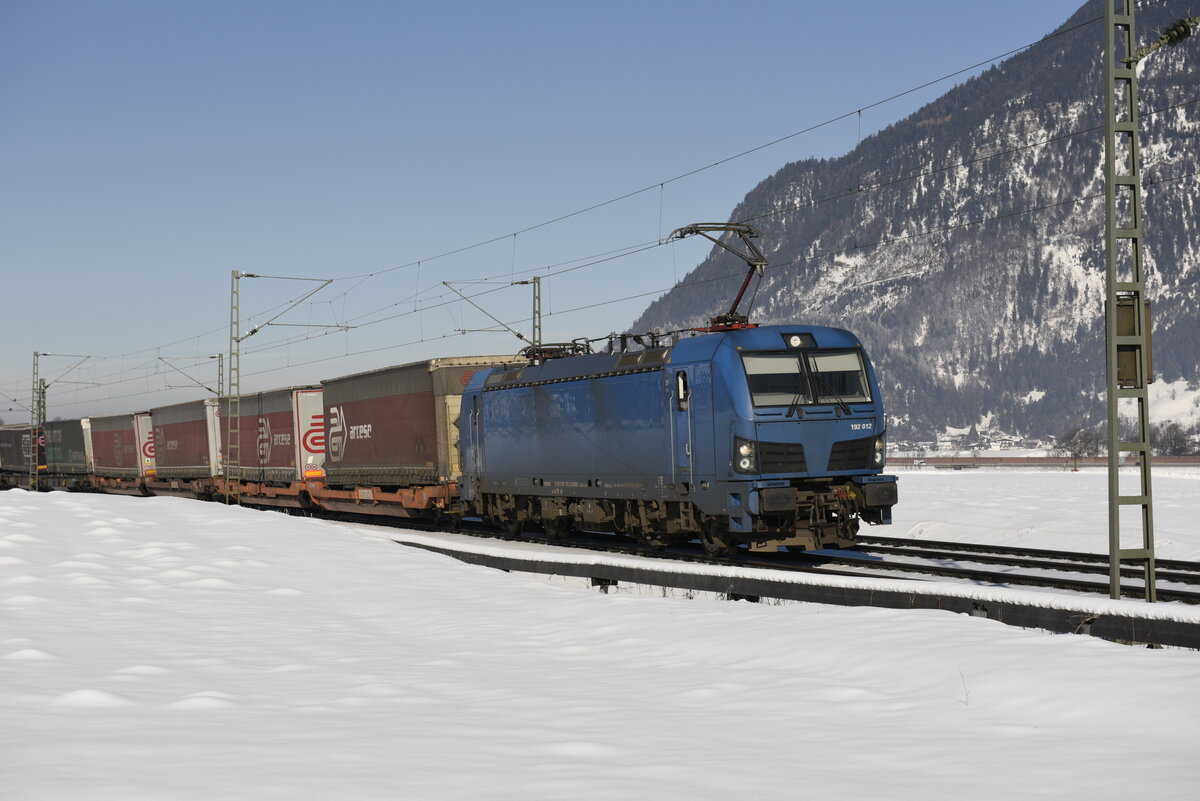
(964,244)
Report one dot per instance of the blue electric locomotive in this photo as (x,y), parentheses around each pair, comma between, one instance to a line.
(763,436)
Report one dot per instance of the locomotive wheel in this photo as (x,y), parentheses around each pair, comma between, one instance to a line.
(651,540)
(715,538)
(511,527)
(559,528)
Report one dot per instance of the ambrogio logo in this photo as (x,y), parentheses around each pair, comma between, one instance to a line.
(336,435)
(264,440)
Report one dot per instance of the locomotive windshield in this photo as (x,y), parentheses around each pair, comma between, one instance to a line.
(839,377)
(776,379)
(787,379)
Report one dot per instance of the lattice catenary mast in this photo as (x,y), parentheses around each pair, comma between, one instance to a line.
(1127,310)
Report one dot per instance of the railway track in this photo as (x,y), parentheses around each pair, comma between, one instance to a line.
(1006,566)
(885,557)
(1187,572)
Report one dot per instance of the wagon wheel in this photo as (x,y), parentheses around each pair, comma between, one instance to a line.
(716,538)
(447,521)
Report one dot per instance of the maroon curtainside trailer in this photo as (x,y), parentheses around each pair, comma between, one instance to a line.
(281,435)
(395,426)
(391,439)
(186,445)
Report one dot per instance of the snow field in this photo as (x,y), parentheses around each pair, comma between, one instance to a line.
(168,649)
(1051,509)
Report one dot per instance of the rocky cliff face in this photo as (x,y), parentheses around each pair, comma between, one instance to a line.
(965,244)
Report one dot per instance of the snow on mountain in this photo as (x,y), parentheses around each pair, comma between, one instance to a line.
(964,244)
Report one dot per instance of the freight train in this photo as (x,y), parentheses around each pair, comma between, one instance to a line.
(756,436)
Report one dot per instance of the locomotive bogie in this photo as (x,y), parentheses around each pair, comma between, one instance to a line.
(651,521)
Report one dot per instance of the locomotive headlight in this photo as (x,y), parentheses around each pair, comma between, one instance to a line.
(880,450)
(745,456)
(795,341)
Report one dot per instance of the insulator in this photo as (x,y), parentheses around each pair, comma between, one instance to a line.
(1177,31)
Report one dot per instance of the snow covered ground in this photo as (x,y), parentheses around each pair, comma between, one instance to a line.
(168,649)
(1054,509)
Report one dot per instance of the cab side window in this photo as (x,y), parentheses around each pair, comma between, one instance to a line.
(682,393)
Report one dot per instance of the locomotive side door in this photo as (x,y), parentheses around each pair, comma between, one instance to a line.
(476,436)
(681,425)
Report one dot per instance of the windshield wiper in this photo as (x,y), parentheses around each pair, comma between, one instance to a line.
(794,406)
(845,407)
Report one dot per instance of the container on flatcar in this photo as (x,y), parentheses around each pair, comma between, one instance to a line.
(186,441)
(281,437)
(12,454)
(123,446)
(68,451)
(15,449)
(395,427)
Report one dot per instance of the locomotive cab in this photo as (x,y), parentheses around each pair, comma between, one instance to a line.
(807,437)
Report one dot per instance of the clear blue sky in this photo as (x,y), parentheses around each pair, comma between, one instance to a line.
(148,148)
